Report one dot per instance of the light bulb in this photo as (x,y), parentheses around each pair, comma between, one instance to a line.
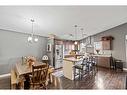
(36,39)
(76,43)
(30,39)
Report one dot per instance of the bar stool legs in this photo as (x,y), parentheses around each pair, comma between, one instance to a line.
(79,73)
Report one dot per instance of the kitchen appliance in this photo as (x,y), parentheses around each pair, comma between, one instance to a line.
(58,56)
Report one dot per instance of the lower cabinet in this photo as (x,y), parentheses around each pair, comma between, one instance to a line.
(103,61)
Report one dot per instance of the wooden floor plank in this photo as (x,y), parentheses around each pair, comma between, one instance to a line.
(104,79)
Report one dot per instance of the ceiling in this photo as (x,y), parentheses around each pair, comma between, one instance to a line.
(60,20)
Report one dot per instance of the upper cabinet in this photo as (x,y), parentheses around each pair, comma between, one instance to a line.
(107,42)
(106,45)
(69,45)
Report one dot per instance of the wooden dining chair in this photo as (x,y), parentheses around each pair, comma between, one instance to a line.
(39,76)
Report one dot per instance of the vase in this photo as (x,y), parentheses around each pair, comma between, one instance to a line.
(97,51)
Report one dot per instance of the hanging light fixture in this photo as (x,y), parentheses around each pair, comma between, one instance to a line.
(75,35)
(31,37)
(36,39)
(83,34)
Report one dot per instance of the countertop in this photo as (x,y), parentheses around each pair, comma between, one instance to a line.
(72,59)
(102,55)
(74,54)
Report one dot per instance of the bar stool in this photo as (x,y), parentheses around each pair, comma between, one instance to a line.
(82,69)
(79,68)
(91,65)
(118,65)
(94,65)
(112,63)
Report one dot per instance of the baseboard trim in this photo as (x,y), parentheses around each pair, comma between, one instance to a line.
(5,75)
(125,69)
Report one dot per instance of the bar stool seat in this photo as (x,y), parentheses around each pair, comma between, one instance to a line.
(79,66)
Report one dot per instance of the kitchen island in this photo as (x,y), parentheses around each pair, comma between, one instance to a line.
(73,55)
(68,67)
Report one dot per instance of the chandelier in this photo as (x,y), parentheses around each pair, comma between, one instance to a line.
(31,37)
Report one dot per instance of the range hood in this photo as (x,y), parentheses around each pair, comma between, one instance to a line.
(89,45)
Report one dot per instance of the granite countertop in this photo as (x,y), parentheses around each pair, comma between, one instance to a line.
(73,54)
(72,59)
(102,55)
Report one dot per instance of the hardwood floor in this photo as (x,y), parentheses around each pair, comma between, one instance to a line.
(103,79)
(5,82)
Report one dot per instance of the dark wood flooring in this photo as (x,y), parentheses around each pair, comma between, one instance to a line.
(5,82)
(103,79)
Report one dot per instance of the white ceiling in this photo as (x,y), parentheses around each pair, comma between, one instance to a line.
(60,20)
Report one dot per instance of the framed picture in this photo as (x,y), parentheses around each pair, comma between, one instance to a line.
(48,47)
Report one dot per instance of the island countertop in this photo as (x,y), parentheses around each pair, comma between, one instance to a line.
(72,59)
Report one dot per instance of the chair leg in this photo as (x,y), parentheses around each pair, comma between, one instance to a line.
(82,74)
(74,73)
(33,85)
(44,86)
(79,74)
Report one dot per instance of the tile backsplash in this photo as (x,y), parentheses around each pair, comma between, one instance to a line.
(105,52)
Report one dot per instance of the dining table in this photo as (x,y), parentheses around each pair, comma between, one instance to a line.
(24,69)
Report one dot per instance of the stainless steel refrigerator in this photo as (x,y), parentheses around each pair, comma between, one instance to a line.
(58,56)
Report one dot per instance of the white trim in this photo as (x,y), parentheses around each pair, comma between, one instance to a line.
(126,48)
(5,75)
(125,69)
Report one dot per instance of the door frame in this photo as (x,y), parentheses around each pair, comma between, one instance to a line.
(126,47)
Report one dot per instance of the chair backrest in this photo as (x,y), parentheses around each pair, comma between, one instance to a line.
(84,61)
(91,60)
(39,73)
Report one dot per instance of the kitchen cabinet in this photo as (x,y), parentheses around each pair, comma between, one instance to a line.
(69,45)
(76,47)
(103,61)
(106,45)
(107,42)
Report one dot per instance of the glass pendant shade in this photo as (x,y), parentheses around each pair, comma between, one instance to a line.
(75,42)
(36,39)
(30,39)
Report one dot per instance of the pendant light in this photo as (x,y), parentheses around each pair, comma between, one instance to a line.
(36,39)
(75,35)
(31,37)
